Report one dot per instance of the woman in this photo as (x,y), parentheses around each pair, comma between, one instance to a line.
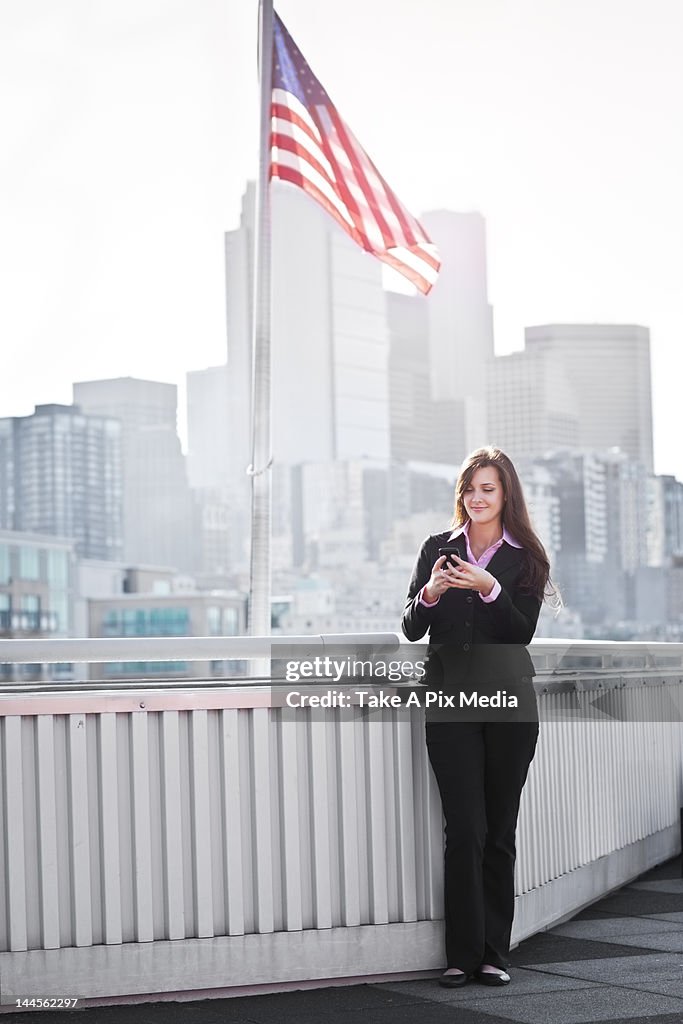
(481,610)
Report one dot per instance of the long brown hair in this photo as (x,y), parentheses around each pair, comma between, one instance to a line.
(515,517)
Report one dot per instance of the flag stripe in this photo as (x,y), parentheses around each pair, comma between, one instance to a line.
(280,142)
(359,174)
(344,186)
(291,105)
(285,120)
(416,277)
(306,172)
(365,222)
(415,260)
(403,219)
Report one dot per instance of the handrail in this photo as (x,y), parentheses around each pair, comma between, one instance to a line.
(177,648)
(209,648)
(562,665)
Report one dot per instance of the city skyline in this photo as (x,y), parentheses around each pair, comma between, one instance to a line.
(118,188)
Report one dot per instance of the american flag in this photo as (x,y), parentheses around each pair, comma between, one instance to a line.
(313,148)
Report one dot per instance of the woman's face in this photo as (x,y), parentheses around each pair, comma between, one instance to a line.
(484,498)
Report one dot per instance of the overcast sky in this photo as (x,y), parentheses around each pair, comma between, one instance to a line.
(128,132)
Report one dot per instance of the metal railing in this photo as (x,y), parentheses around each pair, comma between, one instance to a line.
(237,842)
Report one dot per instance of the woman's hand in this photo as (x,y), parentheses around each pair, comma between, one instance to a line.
(471,577)
(464,576)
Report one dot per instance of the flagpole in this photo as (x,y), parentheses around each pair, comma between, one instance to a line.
(261,454)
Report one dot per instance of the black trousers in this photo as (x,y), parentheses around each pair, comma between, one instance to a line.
(480,768)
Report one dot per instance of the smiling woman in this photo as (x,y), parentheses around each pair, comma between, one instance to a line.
(481,611)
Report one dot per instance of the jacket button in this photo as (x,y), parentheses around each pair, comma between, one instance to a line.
(469,599)
(468,623)
(465,647)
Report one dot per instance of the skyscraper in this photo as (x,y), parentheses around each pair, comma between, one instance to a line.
(460,326)
(608,369)
(219,487)
(329,338)
(62,476)
(208,427)
(580,484)
(532,408)
(665,520)
(329,345)
(410,403)
(158,510)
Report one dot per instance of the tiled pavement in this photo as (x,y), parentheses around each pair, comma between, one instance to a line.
(619,962)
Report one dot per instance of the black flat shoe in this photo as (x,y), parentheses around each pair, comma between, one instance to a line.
(453,980)
(486,978)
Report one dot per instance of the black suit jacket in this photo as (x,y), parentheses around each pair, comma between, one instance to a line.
(473,642)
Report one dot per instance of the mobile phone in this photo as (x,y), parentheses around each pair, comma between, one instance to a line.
(453,549)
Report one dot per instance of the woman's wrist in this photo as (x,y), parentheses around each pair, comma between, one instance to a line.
(488,586)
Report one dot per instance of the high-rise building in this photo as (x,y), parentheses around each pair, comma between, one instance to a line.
(329,338)
(627,510)
(159,517)
(62,476)
(664,520)
(239,286)
(460,323)
(208,427)
(608,369)
(532,409)
(137,403)
(423,429)
(219,491)
(580,485)
(602,509)
(329,345)
(410,401)
(543,505)
(341,511)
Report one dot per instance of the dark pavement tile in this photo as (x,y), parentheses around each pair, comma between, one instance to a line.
(546,948)
(641,903)
(311,1005)
(591,913)
(670,869)
(168,1012)
(671,885)
(336,998)
(407,1013)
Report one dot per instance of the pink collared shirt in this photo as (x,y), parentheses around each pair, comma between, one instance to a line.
(482,561)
